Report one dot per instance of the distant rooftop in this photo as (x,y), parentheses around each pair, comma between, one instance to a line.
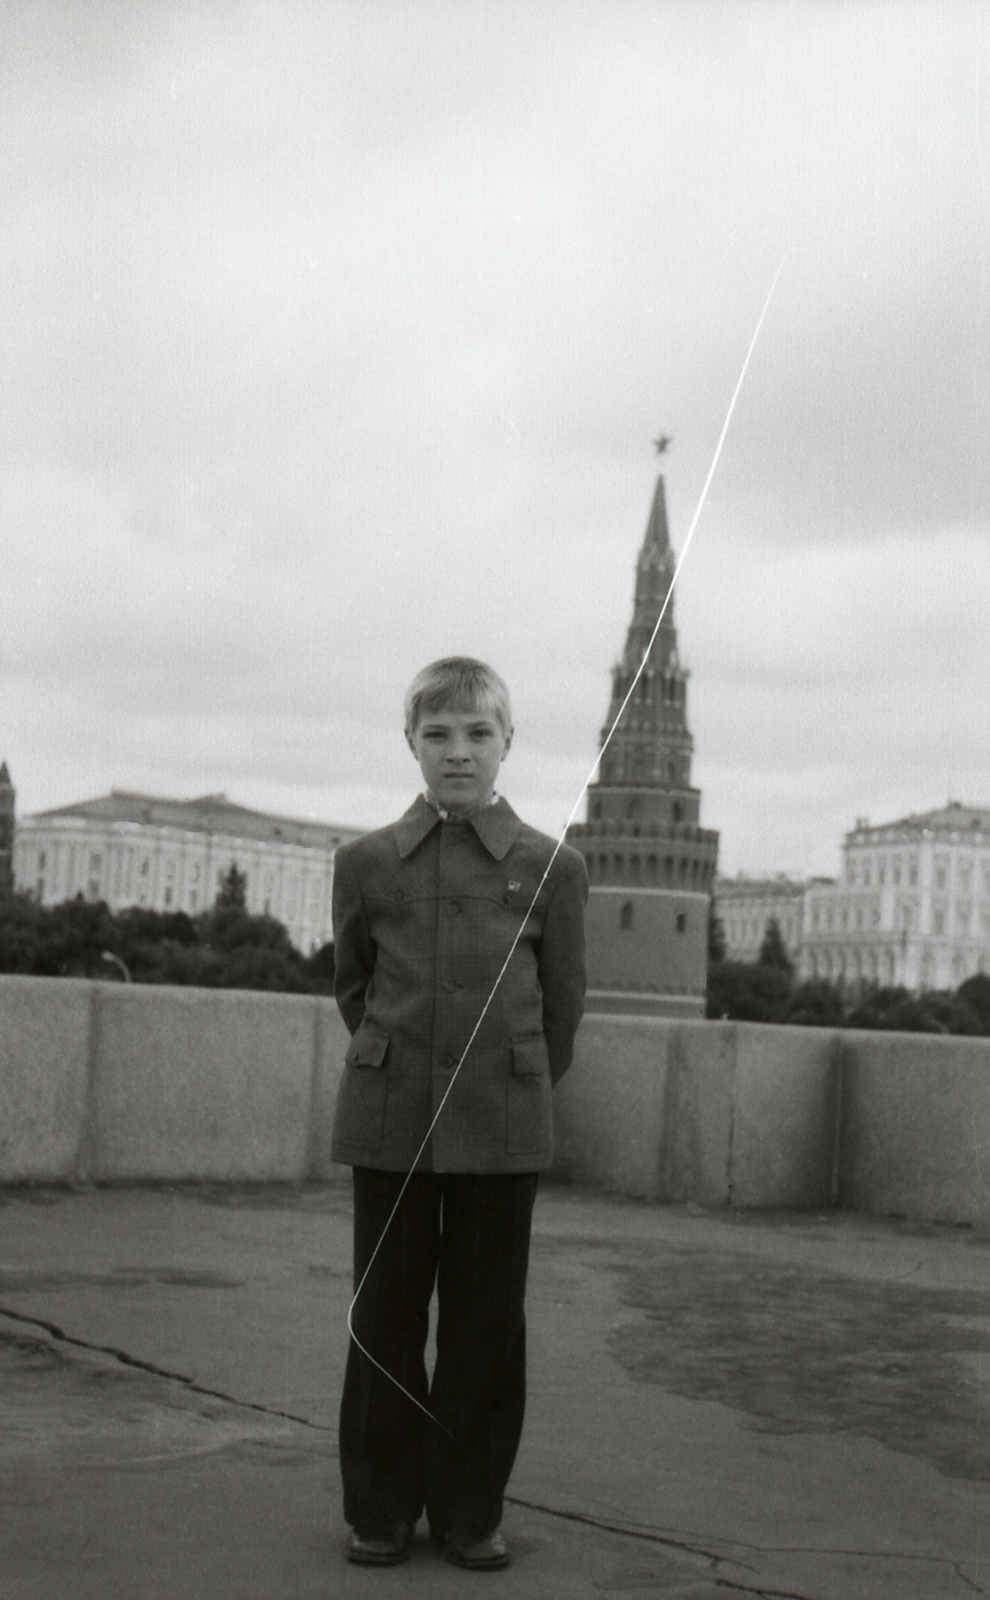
(780,885)
(209,813)
(951,818)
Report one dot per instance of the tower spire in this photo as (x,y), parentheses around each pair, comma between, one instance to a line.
(650,863)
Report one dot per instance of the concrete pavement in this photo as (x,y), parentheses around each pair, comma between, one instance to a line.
(721,1403)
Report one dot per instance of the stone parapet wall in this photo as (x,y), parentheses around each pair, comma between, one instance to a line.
(106,1082)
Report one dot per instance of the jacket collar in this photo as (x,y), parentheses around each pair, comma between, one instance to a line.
(497,827)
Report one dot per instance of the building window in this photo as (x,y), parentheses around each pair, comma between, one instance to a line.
(626,915)
(680,922)
(941,873)
(42,860)
(881,871)
(678,811)
(913,871)
(938,922)
(168,895)
(867,871)
(193,898)
(963,914)
(144,869)
(896,871)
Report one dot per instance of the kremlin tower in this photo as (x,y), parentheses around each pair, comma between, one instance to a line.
(650,865)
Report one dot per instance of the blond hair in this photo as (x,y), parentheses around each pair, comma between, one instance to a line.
(458,683)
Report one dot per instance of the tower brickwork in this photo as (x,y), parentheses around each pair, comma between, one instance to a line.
(650,864)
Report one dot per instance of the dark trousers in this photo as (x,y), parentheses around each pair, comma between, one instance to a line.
(469,1235)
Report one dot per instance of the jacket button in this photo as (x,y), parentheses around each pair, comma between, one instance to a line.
(450,985)
(455,908)
(448,1061)
(398,894)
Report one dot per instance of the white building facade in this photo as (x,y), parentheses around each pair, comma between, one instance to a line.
(169,855)
(912,907)
(746,906)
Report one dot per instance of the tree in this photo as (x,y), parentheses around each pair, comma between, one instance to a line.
(815,1004)
(716,936)
(747,992)
(773,950)
(975,993)
(232,888)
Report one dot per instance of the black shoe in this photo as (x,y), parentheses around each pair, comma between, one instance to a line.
(381,1547)
(477,1552)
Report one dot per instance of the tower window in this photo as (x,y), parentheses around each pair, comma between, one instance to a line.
(678,810)
(680,922)
(626,915)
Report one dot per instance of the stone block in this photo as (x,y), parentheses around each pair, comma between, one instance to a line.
(200,1084)
(697,1113)
(609,1108)
(44,1052)
(915,1126)
(784,1116)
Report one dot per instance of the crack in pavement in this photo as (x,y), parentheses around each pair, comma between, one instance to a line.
(187,1382)
(651,1536)
(654,1536)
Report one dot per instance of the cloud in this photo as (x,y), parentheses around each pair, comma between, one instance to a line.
(334,339)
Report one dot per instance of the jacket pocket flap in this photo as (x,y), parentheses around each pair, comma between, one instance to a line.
(529,1056)
(367,1048)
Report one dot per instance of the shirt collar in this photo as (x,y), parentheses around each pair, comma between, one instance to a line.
(496,825)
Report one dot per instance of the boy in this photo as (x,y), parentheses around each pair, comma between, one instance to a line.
(424,915)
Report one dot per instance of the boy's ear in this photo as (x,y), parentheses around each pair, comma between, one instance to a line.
(508,741)
(410,741)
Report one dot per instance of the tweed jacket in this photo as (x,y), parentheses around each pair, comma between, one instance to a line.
(424,914)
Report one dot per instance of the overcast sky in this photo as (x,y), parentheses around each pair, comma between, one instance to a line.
(334,339)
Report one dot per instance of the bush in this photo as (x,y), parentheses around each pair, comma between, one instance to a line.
(747,992)
(816,1004)
(224,948)
(975,993)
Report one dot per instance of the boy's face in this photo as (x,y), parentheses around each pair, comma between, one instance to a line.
(459,753)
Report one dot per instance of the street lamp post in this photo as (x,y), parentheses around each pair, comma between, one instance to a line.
(108,955)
